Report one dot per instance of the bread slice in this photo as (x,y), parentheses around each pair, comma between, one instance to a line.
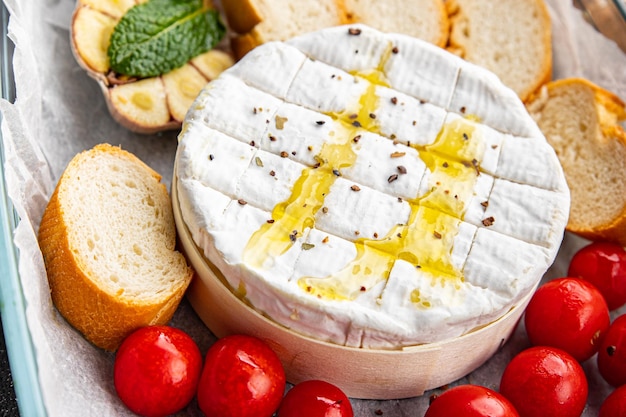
(108,241)
(512,38)
(581,121)
(258,21)
(423,19)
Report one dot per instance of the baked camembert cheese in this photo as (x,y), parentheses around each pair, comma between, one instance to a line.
(369,189)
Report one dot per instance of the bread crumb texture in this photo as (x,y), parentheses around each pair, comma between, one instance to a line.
(255,22)
(511,38)
(108,240)
(582,122)
(422,19)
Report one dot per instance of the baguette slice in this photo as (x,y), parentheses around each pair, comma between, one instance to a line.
(423,19)
(258,21)
(581,121)
(108,241)
(512,38)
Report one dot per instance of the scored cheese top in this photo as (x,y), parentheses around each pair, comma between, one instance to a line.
(369,189)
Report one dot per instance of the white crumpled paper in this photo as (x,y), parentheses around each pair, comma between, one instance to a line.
(59,112)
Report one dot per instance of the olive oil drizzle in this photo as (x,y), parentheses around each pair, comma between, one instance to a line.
(426,240)
(292,217)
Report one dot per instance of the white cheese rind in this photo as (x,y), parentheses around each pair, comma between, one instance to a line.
(358,53)
(479,93)
(373,152)
(230,106)
(406,119)
(364,213)
(435,203)
(271,69)
(215,160)
(301,133)
(325,89)
(539,163)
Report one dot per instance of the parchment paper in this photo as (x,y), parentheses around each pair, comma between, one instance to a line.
(59,112)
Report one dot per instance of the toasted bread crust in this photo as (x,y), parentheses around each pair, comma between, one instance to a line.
(242,15)
(242,44)
(438,37)
(245,16)
(599,142)
(444,23)
(463,42)
(103,318)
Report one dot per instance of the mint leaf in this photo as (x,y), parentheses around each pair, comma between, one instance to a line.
(158,36)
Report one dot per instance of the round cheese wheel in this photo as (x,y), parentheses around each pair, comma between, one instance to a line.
(368,189)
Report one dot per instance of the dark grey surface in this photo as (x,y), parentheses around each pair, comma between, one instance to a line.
(8,403)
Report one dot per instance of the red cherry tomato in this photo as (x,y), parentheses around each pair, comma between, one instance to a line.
(315,398)
(567,313)
(615,404)
(471,401)
(612,353)
(156,370)
(543,381)
(604,265)
(242,377)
